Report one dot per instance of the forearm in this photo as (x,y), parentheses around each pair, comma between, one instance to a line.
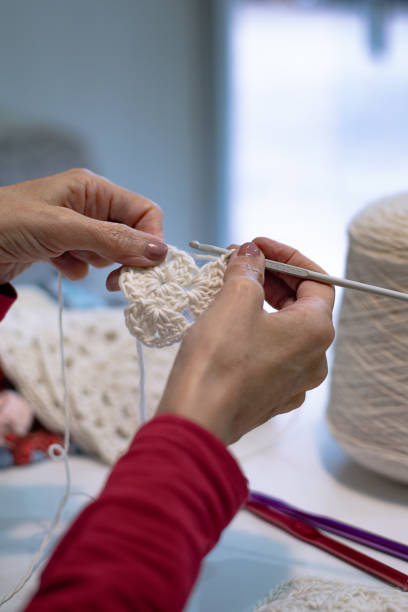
(7,296)
(141,543)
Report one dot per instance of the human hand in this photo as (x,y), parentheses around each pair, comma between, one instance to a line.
(238,365)
(74,219)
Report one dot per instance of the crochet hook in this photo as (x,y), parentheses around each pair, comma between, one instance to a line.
(312,536)
(277,266)
(391,547)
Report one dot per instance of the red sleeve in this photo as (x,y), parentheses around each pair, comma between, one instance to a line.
(7,296)
(139,546)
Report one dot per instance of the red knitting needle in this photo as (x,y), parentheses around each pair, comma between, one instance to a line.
(316,538)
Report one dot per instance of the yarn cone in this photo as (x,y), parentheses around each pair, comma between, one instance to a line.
(368,406)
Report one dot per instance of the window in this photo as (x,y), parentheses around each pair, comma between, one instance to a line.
(319,117)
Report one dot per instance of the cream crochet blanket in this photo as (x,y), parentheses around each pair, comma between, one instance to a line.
(101,365)
(305,594)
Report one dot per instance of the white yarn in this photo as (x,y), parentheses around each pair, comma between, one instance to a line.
(304,594)
(142,383)
(164,301)
(179,288)
(102,365)
(298,595)
(367,412)
(56,453)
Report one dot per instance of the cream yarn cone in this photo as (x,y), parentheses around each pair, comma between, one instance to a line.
(368,407)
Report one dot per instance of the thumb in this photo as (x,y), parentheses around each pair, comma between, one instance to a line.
(113,241)
(244,278)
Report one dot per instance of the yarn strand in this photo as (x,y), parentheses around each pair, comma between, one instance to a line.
(56,453)
(142,383)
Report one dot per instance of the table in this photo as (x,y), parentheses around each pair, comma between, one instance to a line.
(292,457)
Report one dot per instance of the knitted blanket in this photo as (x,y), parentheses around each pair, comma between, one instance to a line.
(305,594)
(102,371)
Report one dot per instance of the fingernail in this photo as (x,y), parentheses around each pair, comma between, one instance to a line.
(249,248)
(155,250)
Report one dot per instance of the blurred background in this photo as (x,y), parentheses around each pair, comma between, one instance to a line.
(318,118)
(239,117)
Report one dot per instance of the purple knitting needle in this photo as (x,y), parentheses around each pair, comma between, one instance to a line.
(350,532)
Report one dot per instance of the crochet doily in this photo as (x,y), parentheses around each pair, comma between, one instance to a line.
(165,300)
(305,594)
(101,365)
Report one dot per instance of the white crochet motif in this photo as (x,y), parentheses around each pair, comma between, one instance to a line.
(164,301)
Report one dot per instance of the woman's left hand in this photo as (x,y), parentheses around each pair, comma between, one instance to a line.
(74,219)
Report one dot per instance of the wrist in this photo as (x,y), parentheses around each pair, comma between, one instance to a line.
(205,416)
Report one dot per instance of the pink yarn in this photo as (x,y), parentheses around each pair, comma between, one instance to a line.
(16,415)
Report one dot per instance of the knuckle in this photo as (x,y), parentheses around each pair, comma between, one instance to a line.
(149,204)
(120,237)
(321,330)
(158,210)
(245,285)
(322,371)
(79,181)
(243,268)
(330,333)
(294,256)
(80,173)
(318,374)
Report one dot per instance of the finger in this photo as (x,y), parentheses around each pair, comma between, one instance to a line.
(133,209)
(310,290)
(92,258)
(244,278)
(112,241)
(112,281)
(277,293)
(97,197)
(70,266)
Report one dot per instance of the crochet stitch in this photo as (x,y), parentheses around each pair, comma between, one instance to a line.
(164,301)
(101,365)
(312,593)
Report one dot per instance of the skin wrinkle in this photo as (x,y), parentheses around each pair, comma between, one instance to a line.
(88,201)
(44,219)
(240,365)
(110,208)
(142,218)
(264,370)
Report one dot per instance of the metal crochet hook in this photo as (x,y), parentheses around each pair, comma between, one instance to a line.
(277,266)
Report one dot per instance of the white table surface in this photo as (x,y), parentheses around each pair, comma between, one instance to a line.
(291,457)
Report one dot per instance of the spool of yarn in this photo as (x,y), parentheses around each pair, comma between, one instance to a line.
(368,407)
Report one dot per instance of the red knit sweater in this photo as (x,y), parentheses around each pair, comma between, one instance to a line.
(139,546)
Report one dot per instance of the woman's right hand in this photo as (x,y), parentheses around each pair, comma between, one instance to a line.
(238,365)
